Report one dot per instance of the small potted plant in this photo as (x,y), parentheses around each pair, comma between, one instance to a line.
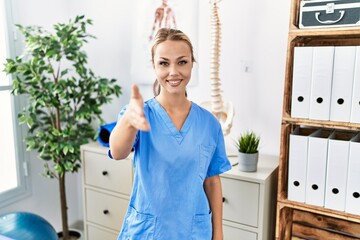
(248,148)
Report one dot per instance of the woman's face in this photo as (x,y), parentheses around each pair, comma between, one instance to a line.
(173,65)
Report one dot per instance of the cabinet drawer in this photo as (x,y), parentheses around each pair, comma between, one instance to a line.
(233,233)
(94,233)
(105,210)
(101,171)
(241,203)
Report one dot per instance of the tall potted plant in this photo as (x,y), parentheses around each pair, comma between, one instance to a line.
(64,97)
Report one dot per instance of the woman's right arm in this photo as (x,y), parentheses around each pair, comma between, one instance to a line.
(123,135)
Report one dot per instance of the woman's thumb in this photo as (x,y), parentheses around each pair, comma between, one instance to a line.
(135,92)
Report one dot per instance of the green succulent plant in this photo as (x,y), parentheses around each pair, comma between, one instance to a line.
(248,142)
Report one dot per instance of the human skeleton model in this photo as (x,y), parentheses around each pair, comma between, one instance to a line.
(164,18)
(224,111)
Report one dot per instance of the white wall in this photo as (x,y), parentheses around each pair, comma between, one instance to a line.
(254,32)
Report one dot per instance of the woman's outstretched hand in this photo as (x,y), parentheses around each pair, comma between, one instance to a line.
(135,111)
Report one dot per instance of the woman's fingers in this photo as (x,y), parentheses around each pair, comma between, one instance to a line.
(138,120)
(142,124)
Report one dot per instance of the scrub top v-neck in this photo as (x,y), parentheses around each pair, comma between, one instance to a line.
(168,200)
(178,135)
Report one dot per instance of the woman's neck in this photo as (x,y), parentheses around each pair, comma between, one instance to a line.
(173,102)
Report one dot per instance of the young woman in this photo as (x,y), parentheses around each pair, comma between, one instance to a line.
(179,153)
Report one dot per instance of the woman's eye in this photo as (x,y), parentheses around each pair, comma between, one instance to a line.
(163,63)
(183,62)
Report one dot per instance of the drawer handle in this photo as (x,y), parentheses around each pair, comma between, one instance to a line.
(104,173)
(106,211)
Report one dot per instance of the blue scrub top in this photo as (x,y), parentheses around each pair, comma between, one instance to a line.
(168,201)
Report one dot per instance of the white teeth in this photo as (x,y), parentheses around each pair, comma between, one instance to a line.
(174,82)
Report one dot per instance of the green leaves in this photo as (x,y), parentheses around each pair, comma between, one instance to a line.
(64,94)
(25,119)
(248,142)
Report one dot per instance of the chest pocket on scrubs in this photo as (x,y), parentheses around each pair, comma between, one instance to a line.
(202,227)
(206,153)
(139,226)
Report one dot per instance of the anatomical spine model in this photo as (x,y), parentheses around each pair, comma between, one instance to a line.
(224,111)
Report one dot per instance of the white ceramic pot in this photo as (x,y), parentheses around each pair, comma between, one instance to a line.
(248,161)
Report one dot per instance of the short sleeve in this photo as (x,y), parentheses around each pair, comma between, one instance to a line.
(219,162)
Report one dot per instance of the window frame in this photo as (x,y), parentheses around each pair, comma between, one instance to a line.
(23,189)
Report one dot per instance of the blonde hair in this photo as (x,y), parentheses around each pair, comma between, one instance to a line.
(161,36)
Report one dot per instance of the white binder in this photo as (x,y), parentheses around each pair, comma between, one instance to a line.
(298,147)
(321,83)
(342,83)
(301,82)
(353,181)
(355,108)
(316,167)
(337,167)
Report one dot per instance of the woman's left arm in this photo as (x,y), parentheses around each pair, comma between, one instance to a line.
(212,186)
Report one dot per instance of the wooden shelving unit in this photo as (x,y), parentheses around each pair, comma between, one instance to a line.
(299,220)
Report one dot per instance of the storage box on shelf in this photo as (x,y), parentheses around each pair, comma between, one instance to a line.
(106,191)
(329,13)
(295,30)
(297,220)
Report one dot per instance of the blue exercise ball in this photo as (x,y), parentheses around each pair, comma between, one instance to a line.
(26,226)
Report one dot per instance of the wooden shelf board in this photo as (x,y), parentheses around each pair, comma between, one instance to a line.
(320,123)
(320,32)
(318,210)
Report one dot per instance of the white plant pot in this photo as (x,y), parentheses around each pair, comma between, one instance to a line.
(248,161)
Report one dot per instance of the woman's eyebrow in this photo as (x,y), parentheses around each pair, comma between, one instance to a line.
(164,58)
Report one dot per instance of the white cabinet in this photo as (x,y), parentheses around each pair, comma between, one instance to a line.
(106,189)
(250,201)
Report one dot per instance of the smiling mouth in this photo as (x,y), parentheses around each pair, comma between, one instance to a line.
(174,83)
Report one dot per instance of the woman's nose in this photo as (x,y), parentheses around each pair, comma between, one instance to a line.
(173,71)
